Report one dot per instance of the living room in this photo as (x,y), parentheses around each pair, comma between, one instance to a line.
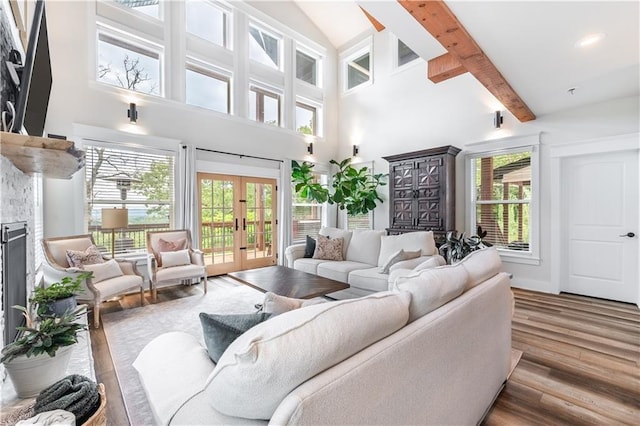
(585,102)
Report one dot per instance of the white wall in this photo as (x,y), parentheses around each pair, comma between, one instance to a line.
(77,98)
(403,111)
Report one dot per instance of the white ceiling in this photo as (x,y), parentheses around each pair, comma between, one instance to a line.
(532,43)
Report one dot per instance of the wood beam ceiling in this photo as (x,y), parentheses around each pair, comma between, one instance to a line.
(376,24)
(443,25)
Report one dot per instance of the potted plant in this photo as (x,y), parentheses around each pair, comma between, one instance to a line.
(40,355)
(354,190)
(59,297)
(457,247)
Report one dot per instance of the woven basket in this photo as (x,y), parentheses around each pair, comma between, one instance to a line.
(99,418)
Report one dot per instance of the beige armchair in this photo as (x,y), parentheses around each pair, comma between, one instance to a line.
(94,293)
(182,272)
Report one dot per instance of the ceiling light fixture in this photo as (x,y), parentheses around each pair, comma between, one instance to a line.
(590,40)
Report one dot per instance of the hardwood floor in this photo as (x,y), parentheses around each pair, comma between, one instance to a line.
(580,362)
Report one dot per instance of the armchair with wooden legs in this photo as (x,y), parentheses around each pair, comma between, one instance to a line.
(56,266)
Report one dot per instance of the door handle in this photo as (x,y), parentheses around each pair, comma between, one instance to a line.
(628,234)
(236,223)
(244,224)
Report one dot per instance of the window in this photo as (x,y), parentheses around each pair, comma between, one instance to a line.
(307,215)
(207,89)
(141,181)
(126,65)
(356,65)
(405,54)
(208,21)
(501,197)
(361,221)
(306,68)
(148,7)
(264,106)
(306,119)
(264,47)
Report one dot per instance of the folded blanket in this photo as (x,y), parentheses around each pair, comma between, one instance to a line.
(50,418)
(75,393)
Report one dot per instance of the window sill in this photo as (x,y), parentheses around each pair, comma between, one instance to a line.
(525,259)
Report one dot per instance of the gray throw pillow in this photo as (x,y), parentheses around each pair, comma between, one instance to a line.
(221,330)
(309,248)
(399,256)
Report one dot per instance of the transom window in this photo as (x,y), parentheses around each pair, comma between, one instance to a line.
(208,89)
(306,119)
(123,64)
(207,20)
(502,194)
(264,106)
(306,68)
(405,54)
(148,7)
(264,46)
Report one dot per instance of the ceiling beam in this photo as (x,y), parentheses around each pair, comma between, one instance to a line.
(444,67)
(443,25)
(376,24)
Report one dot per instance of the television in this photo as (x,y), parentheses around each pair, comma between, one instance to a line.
(35,78)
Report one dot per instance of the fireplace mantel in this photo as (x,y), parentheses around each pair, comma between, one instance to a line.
(54,158)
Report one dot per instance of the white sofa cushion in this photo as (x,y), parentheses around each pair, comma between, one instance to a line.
(339,271)
(481,265)
(398,257)
(365,246)
(431,262)
(369,279)
(338,233)
(432,288)
(117,285)
(308,265)
(391,244)
(179,272)
(175,258)
(275,304)
(267,362)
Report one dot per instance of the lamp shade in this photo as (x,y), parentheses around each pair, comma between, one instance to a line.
(115,218)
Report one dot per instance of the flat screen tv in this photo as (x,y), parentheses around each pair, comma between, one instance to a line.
(35,80)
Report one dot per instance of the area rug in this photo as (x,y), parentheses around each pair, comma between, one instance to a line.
(128,331)
(515,358)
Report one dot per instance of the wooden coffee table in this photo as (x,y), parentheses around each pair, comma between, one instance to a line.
(288,282)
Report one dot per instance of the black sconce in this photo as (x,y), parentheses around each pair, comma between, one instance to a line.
(132,113)
(356,150)
(498,120)
(310,148)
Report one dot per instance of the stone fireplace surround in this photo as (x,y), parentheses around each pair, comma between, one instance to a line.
(17,204)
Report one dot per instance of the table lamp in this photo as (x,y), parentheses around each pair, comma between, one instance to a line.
(114,219)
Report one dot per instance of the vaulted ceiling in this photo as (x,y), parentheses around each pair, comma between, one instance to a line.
(531,43)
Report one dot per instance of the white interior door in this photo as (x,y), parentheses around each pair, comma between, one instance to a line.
(600,209)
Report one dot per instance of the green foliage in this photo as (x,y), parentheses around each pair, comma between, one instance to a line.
(67,287)
(353,189)
(47,335)
(154,186)
(457,247)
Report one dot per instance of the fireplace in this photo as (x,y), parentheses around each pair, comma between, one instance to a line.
(14,276)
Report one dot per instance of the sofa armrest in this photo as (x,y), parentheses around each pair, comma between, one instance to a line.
(294,252)
(172,368)
(197,257)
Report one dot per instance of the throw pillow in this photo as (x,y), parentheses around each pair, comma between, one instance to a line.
(163,246)
(175,258)
(335,233)
(398,257)
(104,271)
(91,255)
(276,305)
(309,248)
(221,330)
(390,244)
(328,249)
(266,363)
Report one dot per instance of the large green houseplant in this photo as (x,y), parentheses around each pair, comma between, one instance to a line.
(40,355)
(354,189)
(457,247)
(59,297)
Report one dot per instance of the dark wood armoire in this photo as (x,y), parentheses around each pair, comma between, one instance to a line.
(422,191)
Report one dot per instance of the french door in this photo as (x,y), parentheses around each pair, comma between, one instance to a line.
(237,222)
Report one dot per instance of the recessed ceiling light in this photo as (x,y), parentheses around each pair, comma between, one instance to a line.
(590,40)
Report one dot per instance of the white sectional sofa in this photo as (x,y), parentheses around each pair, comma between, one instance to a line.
(434,350)
(365,252)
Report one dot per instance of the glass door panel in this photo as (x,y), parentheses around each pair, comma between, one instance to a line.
(259,234)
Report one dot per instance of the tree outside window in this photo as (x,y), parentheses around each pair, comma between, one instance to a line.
(306,117)
(264,106)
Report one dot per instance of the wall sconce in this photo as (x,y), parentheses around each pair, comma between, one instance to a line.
(356,150)
(132,113)
(310,148)
(498,120)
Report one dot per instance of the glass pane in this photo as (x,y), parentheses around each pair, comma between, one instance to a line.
(207,91)
(123,65)
(148,7)
(272,110)
(306,214)
(264,48)
(507,225)
(358,71)
(362,221)
(206,21)
(503,177)
(253,108)
(305,67)
(405,54)
(218,220)
(305,120)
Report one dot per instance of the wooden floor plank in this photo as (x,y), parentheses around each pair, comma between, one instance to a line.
(579,366)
